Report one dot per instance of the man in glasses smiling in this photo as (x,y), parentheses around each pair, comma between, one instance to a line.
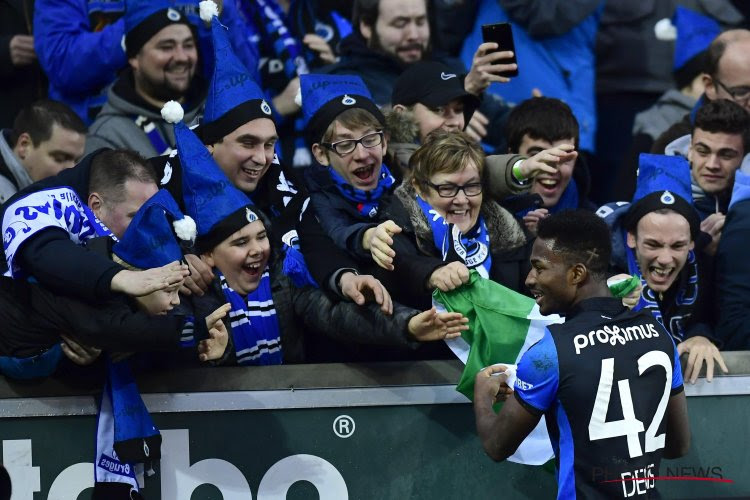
(727,76)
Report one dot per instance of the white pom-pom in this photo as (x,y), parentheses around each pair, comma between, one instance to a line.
(208,9)
(185,229)
(665,30)
(172,112)
(298,97)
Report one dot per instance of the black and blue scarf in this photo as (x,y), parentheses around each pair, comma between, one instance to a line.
(367,202)
(270,20)
(255,328)
(684,299)
(126,437)
(472,248)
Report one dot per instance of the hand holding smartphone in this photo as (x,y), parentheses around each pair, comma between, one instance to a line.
(502,35)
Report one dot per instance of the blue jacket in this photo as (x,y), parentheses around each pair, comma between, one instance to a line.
(733,269)
(79,46)
(559,65)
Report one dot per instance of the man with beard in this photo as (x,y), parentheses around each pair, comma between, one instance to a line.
(658,238)
(601,340)
(390,35)
(162,56)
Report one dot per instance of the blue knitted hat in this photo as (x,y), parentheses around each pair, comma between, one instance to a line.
(663,183)
(324,97)
(145,18)
(695,32)
(233,97)
(149,241)
(218,207)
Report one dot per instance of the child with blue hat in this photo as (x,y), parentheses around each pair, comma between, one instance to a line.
(346,130)
(660,230)
(267,308)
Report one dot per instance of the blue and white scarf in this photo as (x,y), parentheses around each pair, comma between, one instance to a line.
(255,328)
(683,300)
(472,248)
(126,436)
(269,18)
(58,207)
(367,202)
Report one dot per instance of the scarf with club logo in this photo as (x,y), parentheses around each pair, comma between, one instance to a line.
(473,248)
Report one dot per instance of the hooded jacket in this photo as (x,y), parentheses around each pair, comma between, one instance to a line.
(733,269)
(13,175)
(117,126)
(705,203)
(79,45)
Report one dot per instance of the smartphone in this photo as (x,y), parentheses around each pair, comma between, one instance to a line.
(502,35)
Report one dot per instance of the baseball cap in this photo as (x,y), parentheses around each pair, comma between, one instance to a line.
(432,84)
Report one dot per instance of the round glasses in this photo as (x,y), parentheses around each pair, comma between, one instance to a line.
(450,190)
(348,146)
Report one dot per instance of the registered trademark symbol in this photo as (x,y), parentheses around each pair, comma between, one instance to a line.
(343,426)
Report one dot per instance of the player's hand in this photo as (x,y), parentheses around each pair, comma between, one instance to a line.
(321,47)
(432,325)
(477,126)
(713,224)
(531,219)
(200,277)
(700,350)
(140,283)
(365,288)
(486,66)
(214,346)
(546,161)
(77,352)
(492,382)
(378,240)
(630,300)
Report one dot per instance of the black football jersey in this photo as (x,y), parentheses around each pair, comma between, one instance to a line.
(603,380)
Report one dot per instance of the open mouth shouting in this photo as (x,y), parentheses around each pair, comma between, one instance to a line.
(660,276)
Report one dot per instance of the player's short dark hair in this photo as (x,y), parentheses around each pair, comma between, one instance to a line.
(581,236)
(726,117)
(38,118)
(112,168)
(543,118)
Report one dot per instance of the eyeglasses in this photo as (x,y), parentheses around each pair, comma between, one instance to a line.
(347,146)
(450,190)
(740,94)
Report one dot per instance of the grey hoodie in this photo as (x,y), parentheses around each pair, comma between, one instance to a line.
(21,178)
(115,125)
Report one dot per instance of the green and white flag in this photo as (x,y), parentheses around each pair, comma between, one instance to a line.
(503,324)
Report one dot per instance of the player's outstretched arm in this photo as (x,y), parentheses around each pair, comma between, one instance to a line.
(502,433)
(678,427)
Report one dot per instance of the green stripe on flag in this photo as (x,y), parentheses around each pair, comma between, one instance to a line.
(499,321)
